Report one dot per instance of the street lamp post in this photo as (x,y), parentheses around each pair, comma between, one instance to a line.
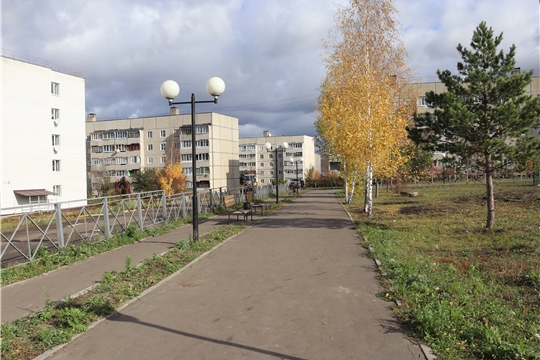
(170,90)
(282,147)
(297,178)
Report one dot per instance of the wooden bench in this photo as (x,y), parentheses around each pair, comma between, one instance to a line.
(230,201)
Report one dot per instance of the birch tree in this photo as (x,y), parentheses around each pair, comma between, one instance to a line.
(364,104)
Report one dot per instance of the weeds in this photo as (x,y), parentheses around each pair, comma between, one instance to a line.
(32,335)
(468,292)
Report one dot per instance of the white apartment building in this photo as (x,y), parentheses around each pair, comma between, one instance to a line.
(256,160)
(42,127)
(117,148)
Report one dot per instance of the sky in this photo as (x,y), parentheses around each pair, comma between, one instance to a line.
(268,52)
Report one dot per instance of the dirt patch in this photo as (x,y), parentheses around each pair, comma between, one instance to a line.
(425,210)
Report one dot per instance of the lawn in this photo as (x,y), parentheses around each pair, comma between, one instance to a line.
(467,292)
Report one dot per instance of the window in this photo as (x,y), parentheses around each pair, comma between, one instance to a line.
(149,134)
(243,156)
(297,145)
(121,134)
(55,140)
(186,144)
(189,184)
(271,156)
(108,161)
(262,181)
(252,164)
(186,157)
(120,147)
(108,148)
(250,147)
(55,114)
(201,129)
(97,162)
(150,160)
(134,160)
(271,172)
(134,134)
(261,164)
(97,149)
(56,165)
(120,173)
(203,157)
(422,101)
(297,154)
(163,160)
(261,156)
(202,143)
(108,135)
(133,147)
(203,170)
(187,171)
(176,132)
(186,131)
(162,133)
(242,164)
(261,172)
(57,190)
(271,164)
(55,88)
(242,148)
(95,136)
(150,147)
(163,147)
(261,148)
(121,160)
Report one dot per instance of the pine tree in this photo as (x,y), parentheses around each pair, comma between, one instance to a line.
(485,117)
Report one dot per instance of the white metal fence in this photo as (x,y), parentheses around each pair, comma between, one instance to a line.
(52,226)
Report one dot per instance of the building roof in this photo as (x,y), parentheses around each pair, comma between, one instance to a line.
(33,192)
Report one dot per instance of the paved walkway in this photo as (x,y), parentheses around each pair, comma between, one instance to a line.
(293,286)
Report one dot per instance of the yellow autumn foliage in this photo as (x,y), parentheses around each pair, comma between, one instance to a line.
(364,107)
(171,179)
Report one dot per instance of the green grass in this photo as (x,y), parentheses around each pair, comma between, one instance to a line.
(50,260)
(32,335)
(469,293)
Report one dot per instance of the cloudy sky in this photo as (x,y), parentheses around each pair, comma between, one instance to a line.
(268,52)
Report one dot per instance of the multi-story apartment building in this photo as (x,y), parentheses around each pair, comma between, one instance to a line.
(256,160)
(42,135)
(438,87)
(117,148)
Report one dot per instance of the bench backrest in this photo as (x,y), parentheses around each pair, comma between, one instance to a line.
(229,200)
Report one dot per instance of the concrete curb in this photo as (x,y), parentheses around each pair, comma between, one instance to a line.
(426,350)
(131,301)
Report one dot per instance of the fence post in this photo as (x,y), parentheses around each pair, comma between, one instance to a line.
(183,206)
(164,203)
(139,211)
(59,227)
(106,218)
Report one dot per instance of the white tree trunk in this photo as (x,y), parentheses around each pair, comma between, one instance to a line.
(368,206)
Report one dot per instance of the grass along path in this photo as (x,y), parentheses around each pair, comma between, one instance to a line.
(31,336)
(467,292)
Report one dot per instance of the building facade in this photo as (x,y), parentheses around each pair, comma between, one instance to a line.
(43,152)
(117,148)
(254,159)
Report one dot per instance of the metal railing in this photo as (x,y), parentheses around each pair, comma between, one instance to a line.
(53,226)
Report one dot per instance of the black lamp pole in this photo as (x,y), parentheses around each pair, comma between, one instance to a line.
(169,89)
(276,176)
